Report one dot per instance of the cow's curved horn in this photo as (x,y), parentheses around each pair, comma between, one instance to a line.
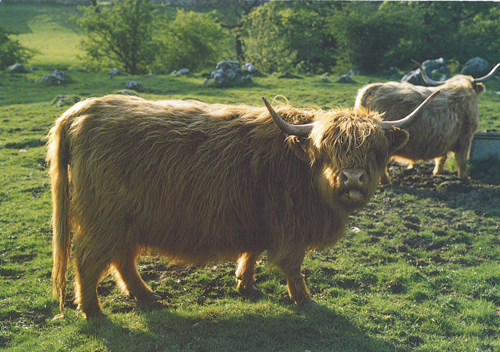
(411,118)
(488,76)
(426,78)
(295,130)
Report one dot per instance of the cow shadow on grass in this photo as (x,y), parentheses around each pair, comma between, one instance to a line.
(482,195)
(263,325)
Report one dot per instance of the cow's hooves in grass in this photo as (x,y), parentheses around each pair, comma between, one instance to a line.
(152,298)
(252,291)
(95,315)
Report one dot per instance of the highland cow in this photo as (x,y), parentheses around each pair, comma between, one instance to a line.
(198,182)
(446,127)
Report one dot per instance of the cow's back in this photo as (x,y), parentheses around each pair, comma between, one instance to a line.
(193,180)
(451,117)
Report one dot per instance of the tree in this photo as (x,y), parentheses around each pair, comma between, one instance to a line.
(437,29)
(192,40)
(365,35)
(11,51)
(293,36)
(120,35)
(231,14)
(266,45)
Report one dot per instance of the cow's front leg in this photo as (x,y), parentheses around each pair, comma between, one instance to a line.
(297,288)
(461,158)
(245,273)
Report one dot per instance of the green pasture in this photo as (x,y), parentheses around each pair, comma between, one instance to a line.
(417,270)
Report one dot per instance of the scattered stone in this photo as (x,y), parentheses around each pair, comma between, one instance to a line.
(430,67)
(354,72)
(133,85)
(393,70)
(66,100)
(63,77)
(50,80)
(182,71)
(289,75)
(476,67)
(56,77)
(114,72)
(17,68)
(228,73)
(250,68)
(346,79)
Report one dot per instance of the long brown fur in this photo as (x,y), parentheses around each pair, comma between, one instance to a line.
(197,183)
(448,125)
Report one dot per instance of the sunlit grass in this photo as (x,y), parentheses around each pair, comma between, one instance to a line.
(417,269)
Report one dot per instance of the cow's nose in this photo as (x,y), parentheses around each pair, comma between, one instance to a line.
(353,177)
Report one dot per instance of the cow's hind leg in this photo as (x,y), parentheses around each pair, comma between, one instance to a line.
(439,167)
(245,273)
(297,288)
(128,276)
(91,262)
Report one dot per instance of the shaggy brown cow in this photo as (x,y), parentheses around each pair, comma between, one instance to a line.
(446,127)
(199,182)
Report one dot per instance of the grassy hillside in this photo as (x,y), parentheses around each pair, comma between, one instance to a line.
(46,29)
(417,269)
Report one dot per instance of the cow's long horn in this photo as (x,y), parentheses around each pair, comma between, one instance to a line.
(426,78)
(295,130)
(488,76)
(411,118)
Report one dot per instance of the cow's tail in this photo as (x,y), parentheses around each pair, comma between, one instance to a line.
(58,157)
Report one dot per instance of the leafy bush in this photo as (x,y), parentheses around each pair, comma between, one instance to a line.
(193,41)
(371,36)
(11,51)
(119,35)
(281,37)
(264,36)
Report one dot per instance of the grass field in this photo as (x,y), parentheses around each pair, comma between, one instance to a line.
(417,270)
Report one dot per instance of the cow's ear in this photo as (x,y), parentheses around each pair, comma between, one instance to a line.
(479,88)
(397,138)
(298,147)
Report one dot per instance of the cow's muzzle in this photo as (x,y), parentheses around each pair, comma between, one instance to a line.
(353,183)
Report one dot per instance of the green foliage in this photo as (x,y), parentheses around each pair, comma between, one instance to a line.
(193,40)
(280,37)
(265,41)
(439,29)
(371,36)
(417,269)
(120,35)
(11,51)
(366,35)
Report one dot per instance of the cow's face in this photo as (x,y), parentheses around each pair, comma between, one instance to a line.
(348,149)
(347,153)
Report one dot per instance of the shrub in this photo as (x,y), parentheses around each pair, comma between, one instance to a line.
(119,35)
(11,51)
(193,41)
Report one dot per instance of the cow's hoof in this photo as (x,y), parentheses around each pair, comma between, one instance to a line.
(467,180)
(252,291)
(96,315)
(152,298)
(149,297)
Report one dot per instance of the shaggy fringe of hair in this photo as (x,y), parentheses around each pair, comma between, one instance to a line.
(446,126)
(196,182)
